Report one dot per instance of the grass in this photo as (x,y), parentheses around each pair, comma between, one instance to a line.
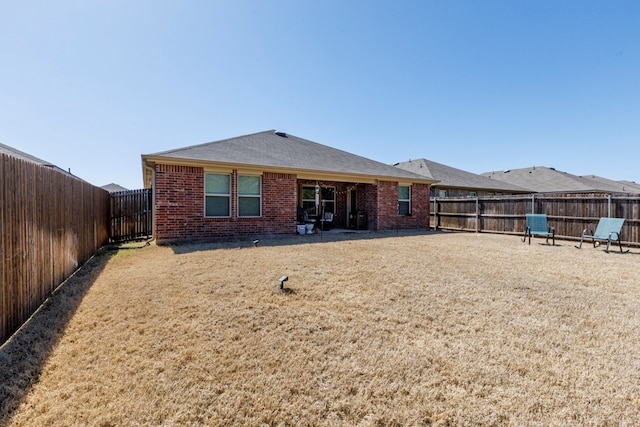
(419,329)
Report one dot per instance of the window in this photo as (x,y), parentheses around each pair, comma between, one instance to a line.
(217,195)
(328,199)
(404,200)
(309,199)
(326,196)
(249,196)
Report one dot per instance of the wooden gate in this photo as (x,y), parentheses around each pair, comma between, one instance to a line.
(131,215)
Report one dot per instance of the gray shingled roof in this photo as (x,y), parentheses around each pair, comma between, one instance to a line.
(10,151)
(548,180)
(620,187)
(457,178)
(113,188)
(631,184)
(13,152)
(288,152)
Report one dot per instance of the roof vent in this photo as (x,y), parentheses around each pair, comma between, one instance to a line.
(280,133)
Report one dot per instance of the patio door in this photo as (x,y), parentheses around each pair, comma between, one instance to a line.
(352,210)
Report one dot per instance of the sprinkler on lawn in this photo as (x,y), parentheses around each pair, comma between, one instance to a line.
(282,280)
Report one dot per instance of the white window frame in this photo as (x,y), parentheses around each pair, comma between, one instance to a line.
(227,195)
(247,196)
(407,201)
(310,203)
(324,202)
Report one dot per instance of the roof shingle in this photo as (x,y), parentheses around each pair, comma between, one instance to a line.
(277,150)
(457,178)
(548,180)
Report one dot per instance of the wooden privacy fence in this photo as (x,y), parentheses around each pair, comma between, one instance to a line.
(570,214)
(50,224)
(131,217)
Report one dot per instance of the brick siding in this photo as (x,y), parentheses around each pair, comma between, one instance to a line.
(179,203)
(387,207)
(179,207)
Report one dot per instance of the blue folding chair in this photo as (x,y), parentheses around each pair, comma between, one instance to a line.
(537,226)
(608,230)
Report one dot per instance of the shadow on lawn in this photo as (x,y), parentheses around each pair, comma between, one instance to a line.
(288,240)
(25,353)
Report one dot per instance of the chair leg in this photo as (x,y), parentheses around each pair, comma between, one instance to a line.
(581,240)
(620,244)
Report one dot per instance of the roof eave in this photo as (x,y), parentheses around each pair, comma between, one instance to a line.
(149,161)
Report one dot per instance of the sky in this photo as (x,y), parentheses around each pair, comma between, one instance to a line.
(489,85)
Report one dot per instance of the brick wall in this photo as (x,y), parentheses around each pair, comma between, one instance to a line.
(179,207)
(387,207)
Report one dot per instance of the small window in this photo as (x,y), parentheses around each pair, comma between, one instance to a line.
(249,196)
(404,200)
(217,189)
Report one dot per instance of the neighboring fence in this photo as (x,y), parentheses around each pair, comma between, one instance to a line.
(131,217)
(50,224)
(570,214)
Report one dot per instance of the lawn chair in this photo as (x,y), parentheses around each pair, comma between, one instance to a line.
(608,230)
(537,226)
(327,221)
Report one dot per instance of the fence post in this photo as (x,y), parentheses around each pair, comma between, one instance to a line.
(477,214)
(435,213)
(533,203)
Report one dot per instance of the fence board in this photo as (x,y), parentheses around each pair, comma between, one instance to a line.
(570,214)
(50,224)
(131,216)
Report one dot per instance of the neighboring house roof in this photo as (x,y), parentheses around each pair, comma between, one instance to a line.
(113,188)
(281,152)
(13,152)
(630,184)
(621,186)
(542,179)
(450,177)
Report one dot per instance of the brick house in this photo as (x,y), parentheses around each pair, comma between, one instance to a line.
(259,184)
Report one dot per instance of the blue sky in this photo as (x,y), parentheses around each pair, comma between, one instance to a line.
(478,85)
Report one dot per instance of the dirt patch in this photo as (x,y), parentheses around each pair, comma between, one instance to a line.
(447,328)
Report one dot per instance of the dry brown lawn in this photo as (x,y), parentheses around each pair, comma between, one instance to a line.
(372,330)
